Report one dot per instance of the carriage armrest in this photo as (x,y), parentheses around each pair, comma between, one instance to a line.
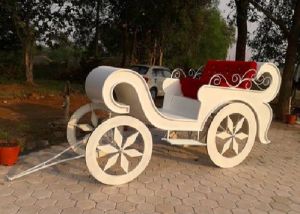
(172,86)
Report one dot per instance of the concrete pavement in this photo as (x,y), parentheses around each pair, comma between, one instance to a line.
(177,180)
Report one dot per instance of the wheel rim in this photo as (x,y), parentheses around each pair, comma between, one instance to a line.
(231,135)
(80,126)
(114,156)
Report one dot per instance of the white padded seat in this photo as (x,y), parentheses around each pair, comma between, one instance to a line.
(177,107)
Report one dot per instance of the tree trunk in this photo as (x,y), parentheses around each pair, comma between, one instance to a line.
(66,105)
(289,68)
(28,62)
(161,55)
(133,47)
(124,43)
(154,52)
(97,33)
(241,21)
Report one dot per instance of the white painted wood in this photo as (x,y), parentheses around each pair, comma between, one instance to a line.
(180,107)
(133,98)
(48,163)
(74,124)
(237,133)
(179,113)
(189,142)
(238,114)
(168,113)
(257,100)
(115,147)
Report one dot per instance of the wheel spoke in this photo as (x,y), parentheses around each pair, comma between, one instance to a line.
(108,149)
(223,135)
(226,146)
(241,136)
(94,119)
(85,138)
(85,127)
(229,124)
(124,163)
(101,153)
(130,140)
(235,146)
(111,161)
(239,125)
(118,138)
(132,153)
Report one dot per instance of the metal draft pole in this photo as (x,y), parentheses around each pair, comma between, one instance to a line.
(47,163)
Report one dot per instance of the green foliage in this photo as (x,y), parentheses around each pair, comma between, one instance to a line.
(79,34)
(187,33)
(3,134)
(8,38)
(203,36)
(10,64)
(270,42)
(39,20)
(216,38)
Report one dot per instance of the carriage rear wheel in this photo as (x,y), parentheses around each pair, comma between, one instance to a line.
(231,135)
(118,150)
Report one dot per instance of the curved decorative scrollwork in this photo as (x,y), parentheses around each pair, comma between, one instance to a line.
(177,73)
(195,74)
(192,73)
(236,80)
(262,82)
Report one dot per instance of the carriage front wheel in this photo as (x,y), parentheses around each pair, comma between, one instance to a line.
(81,124)
(231,135)
(118,150)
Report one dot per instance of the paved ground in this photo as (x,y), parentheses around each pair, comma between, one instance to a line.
(178,180)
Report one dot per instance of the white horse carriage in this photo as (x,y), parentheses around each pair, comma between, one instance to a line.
(225,119)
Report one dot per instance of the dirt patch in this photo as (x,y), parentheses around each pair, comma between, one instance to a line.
(29,118)
(29,112)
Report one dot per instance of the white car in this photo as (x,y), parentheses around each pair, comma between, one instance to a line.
(154,76)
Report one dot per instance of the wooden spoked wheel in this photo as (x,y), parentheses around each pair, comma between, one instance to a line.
(119,150)
(81,124)
(231,135)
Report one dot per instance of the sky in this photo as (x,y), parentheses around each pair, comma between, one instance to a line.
(225,11)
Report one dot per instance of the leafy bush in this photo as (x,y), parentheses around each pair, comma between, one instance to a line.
(10,64)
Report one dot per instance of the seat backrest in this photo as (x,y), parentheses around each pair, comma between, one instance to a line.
(225,74)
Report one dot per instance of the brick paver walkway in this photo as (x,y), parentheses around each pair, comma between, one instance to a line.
(177,180)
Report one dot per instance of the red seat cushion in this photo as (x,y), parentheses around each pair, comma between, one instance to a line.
(232,71)
(190,87)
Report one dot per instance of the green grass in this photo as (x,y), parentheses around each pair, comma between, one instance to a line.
(3,134)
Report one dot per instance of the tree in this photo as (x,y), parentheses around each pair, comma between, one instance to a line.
(8,38)
(151,32)
(35,20)
(88,18)
(178,33)
(242,7)
(204,36)
(268,43)
(9,46)
(286,16)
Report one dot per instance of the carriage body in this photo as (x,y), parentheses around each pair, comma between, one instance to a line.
(245,114)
